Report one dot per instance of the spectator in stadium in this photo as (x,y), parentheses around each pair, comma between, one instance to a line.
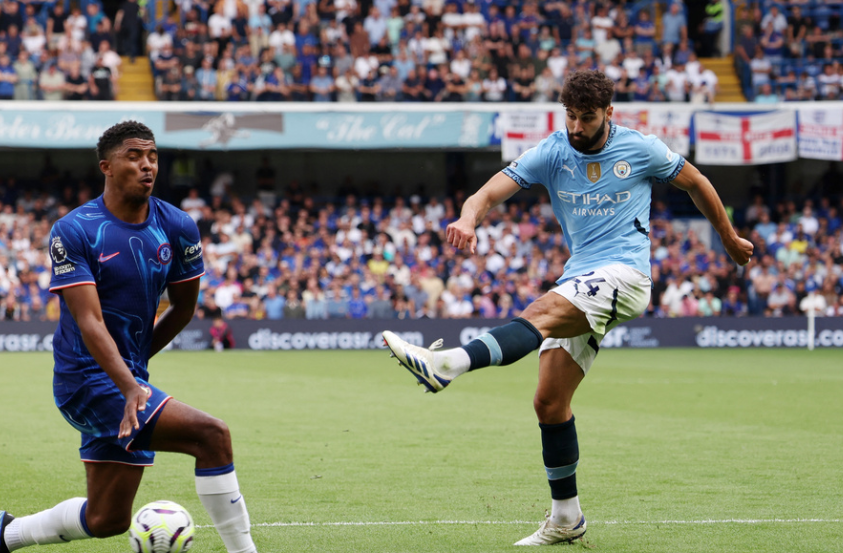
(711,28)
(766,95)
(102,81)
(55,30)
(76,86)
(560,315)
(127,25)
(674,25)
(294,308)
(797,30)
(27,77)
(8,78)
(51,82)
(222,337)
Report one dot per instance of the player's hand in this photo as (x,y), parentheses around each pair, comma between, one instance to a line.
(135,401)
(460,234)
(740,250)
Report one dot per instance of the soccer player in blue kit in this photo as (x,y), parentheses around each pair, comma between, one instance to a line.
(112,259)
(599,177)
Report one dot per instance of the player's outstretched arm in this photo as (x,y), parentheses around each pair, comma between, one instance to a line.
(183,296)
(497,190)
(84,304)
(706,199)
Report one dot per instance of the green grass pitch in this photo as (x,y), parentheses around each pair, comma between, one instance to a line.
(680,451)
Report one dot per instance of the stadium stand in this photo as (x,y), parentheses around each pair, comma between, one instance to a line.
(382,257)
(350,50)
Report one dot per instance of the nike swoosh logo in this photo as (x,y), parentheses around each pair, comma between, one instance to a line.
(104,258)
(62,538)
(233,501)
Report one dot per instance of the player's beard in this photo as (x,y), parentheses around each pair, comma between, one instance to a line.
(589,143)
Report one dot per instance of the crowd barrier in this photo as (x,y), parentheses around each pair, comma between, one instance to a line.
(702,332)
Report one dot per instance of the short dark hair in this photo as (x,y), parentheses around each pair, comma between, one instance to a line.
(116,135)
(587,90)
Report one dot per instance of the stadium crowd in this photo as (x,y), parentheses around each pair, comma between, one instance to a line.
(790,51)
(296,256)
(357,50)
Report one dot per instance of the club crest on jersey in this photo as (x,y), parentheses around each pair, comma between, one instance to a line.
(622,169)
(165,253)
(593,171)
(57,251)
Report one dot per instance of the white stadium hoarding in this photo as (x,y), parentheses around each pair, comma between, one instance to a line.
(821,132)
(734,134)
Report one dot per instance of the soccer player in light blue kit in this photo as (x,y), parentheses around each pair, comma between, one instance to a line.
(599,177)
(112,259)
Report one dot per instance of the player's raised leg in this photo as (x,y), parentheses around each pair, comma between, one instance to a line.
(550,315)
(559,376)
(184,429)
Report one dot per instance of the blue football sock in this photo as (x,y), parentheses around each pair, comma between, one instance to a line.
(561,454)
(503,345)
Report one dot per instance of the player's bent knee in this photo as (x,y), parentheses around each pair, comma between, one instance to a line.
(550,409)
(217,435)
(108,525)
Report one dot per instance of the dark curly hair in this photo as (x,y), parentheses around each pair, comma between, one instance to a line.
(116,135)
(587,90)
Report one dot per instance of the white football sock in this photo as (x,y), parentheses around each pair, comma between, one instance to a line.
(60,524)
(566,512)
(221,497)
(452,362)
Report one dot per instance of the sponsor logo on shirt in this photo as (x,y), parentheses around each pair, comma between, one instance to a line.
(194,252)
(594,204)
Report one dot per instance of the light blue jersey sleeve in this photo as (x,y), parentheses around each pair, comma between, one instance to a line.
(533,166)
(664,165)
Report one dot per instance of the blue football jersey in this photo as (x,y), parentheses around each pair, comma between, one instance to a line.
(601,199)
(131,266)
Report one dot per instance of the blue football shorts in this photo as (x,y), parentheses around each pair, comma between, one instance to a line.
(95,408)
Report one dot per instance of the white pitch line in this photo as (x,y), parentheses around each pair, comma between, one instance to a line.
(519,522)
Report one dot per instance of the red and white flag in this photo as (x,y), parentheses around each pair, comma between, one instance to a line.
(821,133)
(672,126)
(723,139)
(521,130)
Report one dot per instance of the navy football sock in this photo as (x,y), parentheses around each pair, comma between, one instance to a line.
(561,454)
(503,345)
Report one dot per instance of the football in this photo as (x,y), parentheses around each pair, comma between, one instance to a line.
(161,527)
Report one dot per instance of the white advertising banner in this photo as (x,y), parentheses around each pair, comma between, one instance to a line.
(723,139)
(672,126)
(521,130)
(821,133)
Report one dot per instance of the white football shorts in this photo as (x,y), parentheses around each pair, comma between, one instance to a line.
(608,296)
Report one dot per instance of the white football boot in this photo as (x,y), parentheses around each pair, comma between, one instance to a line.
(419,361)
(550,533)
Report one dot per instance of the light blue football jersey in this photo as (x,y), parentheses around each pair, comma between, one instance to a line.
(601,199)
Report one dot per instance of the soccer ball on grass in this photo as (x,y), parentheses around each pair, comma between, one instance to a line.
(161,527)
